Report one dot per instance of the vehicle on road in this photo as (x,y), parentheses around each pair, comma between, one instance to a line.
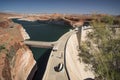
(59,67)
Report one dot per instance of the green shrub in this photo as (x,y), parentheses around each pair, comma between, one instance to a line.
(105,61)
(2,47)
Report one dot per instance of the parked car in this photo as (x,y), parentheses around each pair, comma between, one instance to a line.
(59,67)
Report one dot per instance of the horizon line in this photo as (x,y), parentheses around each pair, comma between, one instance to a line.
(14,12)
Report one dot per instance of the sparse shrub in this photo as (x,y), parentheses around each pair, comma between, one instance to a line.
(105,57)
(107,19)
(11,53)
(2,47)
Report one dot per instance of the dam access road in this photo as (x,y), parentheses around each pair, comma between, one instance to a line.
(58,56)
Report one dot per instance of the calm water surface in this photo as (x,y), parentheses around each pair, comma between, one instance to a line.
(42,32)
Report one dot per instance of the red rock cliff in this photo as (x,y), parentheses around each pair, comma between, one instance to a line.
(16,59)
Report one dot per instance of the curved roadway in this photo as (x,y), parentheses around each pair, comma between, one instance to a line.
(56,57)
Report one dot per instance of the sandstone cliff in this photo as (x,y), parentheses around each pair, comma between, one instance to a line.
(16,59)
(55,18)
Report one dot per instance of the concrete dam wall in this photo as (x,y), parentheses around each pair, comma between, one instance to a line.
(76,69)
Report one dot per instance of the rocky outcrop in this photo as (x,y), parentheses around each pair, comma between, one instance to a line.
(24,33)
(59,19)
(5,23)
(62,21)
(23,64)
(16,59)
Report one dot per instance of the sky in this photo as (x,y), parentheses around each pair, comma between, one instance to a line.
(61,6)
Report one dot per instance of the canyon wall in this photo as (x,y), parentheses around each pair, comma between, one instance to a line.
(59,19)
(16,59)
(62,21)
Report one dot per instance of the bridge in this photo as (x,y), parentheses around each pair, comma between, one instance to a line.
(40,44)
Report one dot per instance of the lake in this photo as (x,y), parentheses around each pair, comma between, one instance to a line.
(42,32)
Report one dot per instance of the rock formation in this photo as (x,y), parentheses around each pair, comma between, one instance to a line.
(61,19)
(16,59)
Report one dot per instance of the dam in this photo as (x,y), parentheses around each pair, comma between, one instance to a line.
(59,56)
(45,34)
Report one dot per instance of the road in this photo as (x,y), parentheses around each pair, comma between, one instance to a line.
(57,57)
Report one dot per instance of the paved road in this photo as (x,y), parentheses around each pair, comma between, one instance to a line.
(57,57)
